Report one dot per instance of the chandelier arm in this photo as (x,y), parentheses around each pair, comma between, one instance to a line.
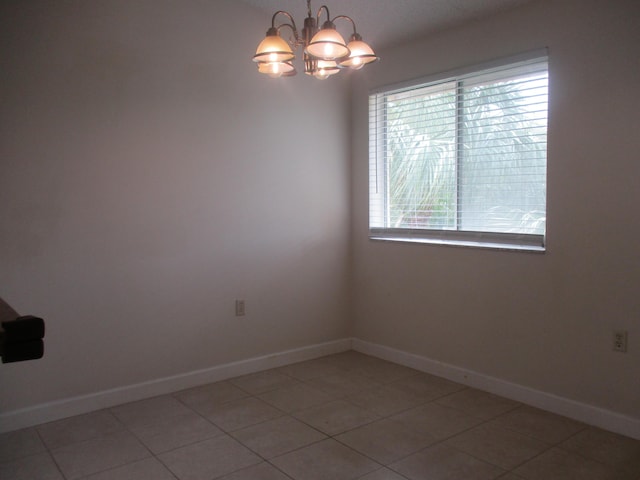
(346,17)
(291,25)
(326,9)
(296,39)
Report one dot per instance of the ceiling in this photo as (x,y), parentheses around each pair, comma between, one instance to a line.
(384,23)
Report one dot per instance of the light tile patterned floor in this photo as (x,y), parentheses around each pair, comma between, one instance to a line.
(342,417)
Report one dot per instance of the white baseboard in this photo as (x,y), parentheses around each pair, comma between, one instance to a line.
(51,411)
(68,407)
(582,412)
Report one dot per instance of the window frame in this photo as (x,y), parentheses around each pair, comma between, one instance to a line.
(377,164)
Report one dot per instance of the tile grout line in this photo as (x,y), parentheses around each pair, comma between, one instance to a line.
(357,370)
(50,453)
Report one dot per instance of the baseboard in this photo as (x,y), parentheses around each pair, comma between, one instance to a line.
(51,411)
(582,412)
(68,407)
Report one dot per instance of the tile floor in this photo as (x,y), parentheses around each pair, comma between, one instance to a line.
(344,416)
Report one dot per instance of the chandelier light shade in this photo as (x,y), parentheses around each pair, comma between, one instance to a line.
(325,69)
(273,49)
(327,44)
(277,69)
(360,55)
(325,52)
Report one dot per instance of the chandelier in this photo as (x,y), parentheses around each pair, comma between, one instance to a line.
(325,51)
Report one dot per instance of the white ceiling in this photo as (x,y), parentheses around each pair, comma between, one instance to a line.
(383,23)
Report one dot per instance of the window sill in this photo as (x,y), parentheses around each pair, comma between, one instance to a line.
(490,245)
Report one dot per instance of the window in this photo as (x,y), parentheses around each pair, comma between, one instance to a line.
(462,159)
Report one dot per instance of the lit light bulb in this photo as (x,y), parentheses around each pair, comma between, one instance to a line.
(321,74)
(328,50)
(274,70)
(273,57)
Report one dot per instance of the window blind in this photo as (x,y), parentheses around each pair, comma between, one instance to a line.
(462,158)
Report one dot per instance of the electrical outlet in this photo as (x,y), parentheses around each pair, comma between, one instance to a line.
(620,341)
(239,308)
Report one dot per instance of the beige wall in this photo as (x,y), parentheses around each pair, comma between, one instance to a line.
(543,321)
(148,178)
